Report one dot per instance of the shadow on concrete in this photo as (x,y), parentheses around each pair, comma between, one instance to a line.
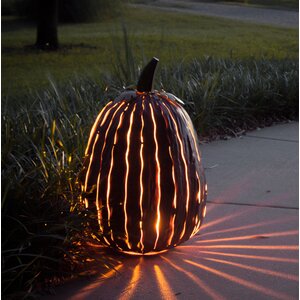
(240,252)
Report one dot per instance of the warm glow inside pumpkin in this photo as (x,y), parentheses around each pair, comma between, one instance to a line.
(143,172)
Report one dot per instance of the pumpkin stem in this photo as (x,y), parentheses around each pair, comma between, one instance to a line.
(145,82)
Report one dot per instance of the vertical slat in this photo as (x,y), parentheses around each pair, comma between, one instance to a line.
(89,169)
(141,179)
(199,170)
(135,194)
(95,145)
(128,140)
(174,203)
(149,179)
(157,179)
(98,205)
(182,154)
(109,176)
(168,194)
(91,147)
(95,125)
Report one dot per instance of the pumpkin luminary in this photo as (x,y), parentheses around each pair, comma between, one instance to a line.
(142,172)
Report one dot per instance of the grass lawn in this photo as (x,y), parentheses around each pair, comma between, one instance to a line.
(91,49)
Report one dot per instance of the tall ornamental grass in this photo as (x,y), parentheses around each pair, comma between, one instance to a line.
(45,232)
(227,96)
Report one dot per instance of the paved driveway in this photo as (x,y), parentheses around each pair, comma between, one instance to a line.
(277,17)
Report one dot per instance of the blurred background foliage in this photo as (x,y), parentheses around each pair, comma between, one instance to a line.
(73,11)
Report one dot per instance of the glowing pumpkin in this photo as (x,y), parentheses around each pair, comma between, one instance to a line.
(143,172)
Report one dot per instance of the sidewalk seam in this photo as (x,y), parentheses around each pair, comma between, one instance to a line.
(272,139)
(256,205)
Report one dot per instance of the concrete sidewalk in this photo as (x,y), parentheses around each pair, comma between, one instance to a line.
(248,246)
(252,14)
